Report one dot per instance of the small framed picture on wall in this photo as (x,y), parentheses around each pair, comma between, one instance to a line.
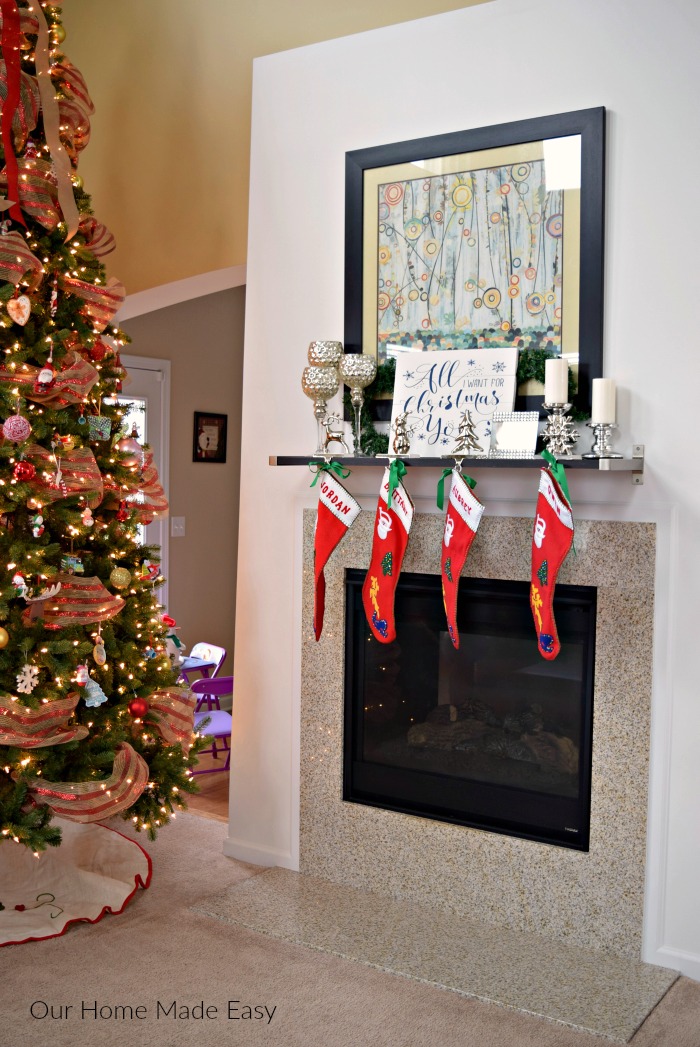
(209,443)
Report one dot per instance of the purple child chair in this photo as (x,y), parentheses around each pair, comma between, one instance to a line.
(219,722)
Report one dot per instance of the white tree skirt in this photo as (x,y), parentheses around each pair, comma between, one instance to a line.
(95,871)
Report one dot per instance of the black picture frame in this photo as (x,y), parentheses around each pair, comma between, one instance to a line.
(590,125)
(209,437)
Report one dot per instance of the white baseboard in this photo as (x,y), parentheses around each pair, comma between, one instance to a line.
(688,963)
(244,852)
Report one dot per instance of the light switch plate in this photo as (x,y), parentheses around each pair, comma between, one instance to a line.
(177,526)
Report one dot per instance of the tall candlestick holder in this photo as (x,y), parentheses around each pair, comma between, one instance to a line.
(559,434)
(602,431)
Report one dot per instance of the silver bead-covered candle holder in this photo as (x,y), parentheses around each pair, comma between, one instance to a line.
(357,372)
(559,434)
(602,431)
(320,384)
(325,354)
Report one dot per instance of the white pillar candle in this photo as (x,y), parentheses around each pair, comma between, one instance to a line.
(556,381)
(603,406)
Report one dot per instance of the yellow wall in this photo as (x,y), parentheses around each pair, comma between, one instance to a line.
(167,164)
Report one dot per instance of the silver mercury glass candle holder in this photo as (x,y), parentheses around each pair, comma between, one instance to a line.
(357,371)
(325,354)
(320,384)
(559,434)
(602,431)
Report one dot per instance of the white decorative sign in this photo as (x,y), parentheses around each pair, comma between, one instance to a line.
(435,389)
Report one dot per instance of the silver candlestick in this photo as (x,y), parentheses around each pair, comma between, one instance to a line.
(320,384)
(357,371)
(559,434)
(602,431)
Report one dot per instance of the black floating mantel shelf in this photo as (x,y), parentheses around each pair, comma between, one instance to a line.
(633,465)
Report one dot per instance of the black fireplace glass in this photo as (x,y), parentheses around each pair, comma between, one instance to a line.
(490,735)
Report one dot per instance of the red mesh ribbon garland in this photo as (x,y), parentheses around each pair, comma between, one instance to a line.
(100,303)
(16,261)
(149,500)
(38,194)
(72,83)
(34,728)
(80,601)
(98,238)
(174,708)
(75,127)
(70,386)
(95,801)
(80,474)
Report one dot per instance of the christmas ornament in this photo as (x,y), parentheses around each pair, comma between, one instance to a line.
(19,309)
(86,517)
(464,511)
(122,513)
(37,522)
(24,471)
(58,33)
(45,378)
(81,675)
(36,728)
(149,571)
(337,511)
(138,707)
(131,449)
(99,427)
(53,303)
(72,564)
(20,584)
(98,351)
(68,442)
(95,801)
(94,695)
(552,537)
(4,637)
(392,526)
(150,653)
(120,577)
(27,678)
(99,654)
(16,428)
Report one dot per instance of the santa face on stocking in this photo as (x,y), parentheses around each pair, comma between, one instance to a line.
(392,525)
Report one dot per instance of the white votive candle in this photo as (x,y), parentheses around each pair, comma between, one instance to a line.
(556,381)
(603,406)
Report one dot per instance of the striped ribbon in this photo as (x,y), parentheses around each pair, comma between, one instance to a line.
(174,708)
(100,302)
(149,499)
(72,83)
(35,728)
(51,115)
(70,386)
(98,238)
(80,474)
(37,191)
(81,601)
(16,261)
(95,801)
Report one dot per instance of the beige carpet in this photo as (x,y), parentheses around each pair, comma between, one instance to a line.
(158,951)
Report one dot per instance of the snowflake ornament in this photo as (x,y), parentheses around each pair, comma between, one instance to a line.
(27,679)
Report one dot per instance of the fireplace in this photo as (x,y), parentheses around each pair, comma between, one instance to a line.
(492,735)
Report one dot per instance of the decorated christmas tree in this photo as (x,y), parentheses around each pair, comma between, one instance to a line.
(91,722)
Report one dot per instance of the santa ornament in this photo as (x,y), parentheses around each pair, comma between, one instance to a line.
(337,511)
(552,537)
(392,526)
(464,511)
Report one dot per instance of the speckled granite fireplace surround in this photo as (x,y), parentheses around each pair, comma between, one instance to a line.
(593,900)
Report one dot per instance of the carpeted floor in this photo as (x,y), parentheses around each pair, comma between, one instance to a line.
(159,953)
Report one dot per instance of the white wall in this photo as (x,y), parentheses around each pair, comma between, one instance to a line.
(503,61)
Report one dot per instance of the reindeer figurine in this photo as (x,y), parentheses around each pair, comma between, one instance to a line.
(334,433)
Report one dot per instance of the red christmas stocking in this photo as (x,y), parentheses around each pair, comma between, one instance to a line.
(391,529)
(464,511)
(337,510)
(551,540)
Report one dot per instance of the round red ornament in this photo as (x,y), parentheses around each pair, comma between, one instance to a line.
(24,471)
(138,707)
(98,352)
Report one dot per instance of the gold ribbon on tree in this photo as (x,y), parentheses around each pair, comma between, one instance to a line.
(35,728)
(94,801)
(99,303)
(62,474)
(52,122)
(16,261)
(174,711)
(80,601)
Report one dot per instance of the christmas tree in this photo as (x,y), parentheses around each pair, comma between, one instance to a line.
(91,722)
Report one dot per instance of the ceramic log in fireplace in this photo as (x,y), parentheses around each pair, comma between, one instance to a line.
(490,736)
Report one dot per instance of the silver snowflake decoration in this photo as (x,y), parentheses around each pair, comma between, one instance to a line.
(27,679)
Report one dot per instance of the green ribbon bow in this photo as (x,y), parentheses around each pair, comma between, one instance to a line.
(397,470)
(441,486)
(559,474)
(328,467)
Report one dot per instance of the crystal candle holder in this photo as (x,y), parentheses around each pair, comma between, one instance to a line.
(357,372)
(325,354)
(320,384)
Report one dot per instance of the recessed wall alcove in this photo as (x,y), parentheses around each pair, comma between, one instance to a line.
(594,898)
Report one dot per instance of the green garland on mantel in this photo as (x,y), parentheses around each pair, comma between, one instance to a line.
(530,366)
